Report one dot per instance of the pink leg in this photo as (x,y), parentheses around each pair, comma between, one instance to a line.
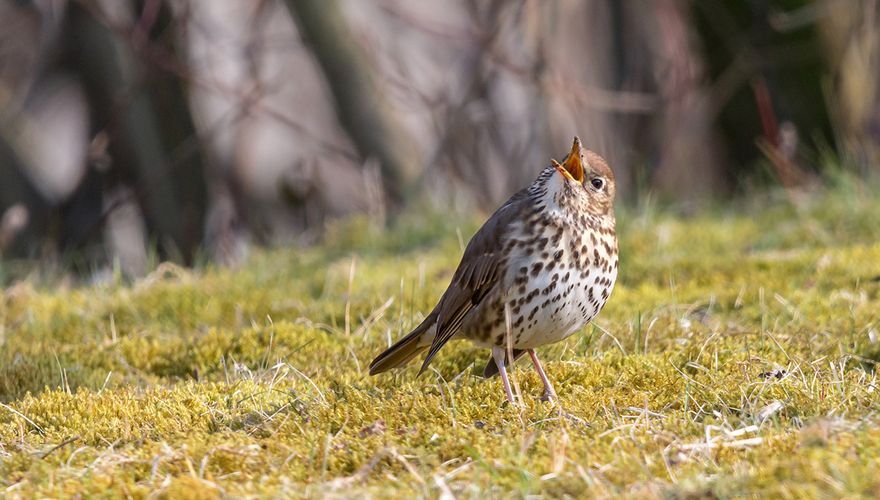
(549,393)
(498,356)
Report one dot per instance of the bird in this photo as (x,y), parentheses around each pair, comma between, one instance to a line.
(537,271)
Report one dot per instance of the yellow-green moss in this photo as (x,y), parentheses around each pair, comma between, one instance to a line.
(736,356)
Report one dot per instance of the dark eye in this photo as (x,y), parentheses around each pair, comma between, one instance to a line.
(597,183)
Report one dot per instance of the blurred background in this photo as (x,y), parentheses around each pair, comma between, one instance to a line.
(189,130)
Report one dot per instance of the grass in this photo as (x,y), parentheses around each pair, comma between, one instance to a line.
(736,356)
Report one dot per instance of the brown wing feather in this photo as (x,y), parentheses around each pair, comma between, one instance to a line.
(477,274)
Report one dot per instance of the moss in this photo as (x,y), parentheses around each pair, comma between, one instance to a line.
(736,357)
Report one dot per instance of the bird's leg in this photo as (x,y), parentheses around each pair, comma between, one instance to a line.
(498,355)
(549,393)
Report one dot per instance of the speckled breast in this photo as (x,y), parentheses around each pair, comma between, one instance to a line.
(557,280)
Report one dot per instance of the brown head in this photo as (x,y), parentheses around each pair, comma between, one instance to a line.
(588,178)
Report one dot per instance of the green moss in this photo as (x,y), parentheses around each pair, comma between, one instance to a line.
(737,356)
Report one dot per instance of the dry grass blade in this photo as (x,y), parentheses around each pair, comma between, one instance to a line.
(24,417)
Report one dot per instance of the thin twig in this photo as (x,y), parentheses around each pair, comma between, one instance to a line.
(60,445)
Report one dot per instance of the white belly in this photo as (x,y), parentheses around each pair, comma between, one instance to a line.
(554,302)
(570,304)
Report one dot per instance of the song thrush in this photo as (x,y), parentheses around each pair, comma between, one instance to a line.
(537,271)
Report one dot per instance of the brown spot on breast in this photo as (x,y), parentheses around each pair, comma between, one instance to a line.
(532,314)
(536,268)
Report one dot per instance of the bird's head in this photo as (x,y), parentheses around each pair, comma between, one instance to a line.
(585,180)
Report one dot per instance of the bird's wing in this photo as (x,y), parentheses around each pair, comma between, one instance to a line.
(478,272)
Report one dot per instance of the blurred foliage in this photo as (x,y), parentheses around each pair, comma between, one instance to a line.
(742,50)
(192,129)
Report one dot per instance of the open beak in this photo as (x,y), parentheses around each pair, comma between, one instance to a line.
(572,168)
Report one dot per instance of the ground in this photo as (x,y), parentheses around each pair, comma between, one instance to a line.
(736,356)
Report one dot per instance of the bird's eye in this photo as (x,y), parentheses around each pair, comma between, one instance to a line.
(597,183)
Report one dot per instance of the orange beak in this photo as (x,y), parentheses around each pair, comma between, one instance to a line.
(572,168)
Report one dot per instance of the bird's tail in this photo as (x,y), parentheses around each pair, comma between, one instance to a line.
(403,350)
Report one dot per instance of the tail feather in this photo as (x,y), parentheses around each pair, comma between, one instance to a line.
(403,350)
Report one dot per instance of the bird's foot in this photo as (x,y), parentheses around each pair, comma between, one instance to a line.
(549,395)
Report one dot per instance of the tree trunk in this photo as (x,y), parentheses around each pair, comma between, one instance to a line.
(360,105)
(152,143)
(851,38)
(17,189)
